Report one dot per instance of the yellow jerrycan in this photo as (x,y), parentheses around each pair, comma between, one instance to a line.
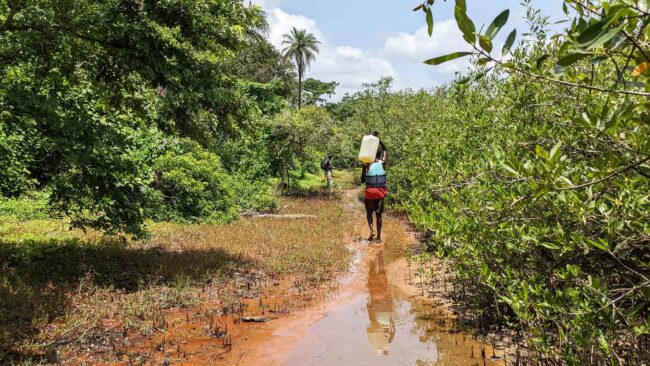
(369,147)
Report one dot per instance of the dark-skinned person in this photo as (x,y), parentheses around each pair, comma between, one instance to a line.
(374,176)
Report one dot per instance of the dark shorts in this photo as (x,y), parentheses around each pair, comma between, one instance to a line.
(376,206)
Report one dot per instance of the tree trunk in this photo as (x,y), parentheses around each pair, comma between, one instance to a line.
(299,88)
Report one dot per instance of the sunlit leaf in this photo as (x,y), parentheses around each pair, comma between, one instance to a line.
(541,152)
(509,42)
(597,34)
(429,21)
(600,244)
(461,4)
(555,152)
(498,23)
(442,59)
(485,43)
(572,58)
(465,25)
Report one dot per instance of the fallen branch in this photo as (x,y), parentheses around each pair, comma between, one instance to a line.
(282,217)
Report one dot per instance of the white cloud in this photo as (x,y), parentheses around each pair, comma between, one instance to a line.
(418,47)
(349,51)
(349,66)
(280,23)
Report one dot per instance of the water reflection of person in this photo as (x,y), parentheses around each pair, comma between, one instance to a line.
(381,330)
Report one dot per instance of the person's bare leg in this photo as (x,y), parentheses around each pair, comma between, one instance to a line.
(369,212)
(379,226)
(380,221)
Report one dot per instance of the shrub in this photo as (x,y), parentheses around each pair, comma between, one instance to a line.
(254,195)
(32,206)
(190,185)
(13,171)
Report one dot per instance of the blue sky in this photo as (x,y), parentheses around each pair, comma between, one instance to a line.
(363,40)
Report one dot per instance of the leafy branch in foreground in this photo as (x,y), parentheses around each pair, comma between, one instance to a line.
(612,33)
(542,176)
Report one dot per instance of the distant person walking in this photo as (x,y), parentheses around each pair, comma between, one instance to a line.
(374,176)
(326,166)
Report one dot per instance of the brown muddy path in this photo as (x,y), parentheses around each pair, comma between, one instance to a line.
(376,317)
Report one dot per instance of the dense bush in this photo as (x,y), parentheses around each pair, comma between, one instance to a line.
(31,206)
(191,185)
(84,85)
(298,141)
(14,177)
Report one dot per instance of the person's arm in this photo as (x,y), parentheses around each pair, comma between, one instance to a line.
(384,153)
(363,173)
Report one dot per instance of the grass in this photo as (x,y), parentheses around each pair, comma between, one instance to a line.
(315,185)
(62,288)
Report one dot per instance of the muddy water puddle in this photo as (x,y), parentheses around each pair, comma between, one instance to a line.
(389,324)
(375,318)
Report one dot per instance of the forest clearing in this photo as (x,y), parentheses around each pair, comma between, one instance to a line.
(468,184)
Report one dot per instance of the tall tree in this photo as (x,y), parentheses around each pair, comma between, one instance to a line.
(302,47)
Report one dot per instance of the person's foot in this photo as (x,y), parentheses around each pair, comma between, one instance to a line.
(379,241)
(371,237)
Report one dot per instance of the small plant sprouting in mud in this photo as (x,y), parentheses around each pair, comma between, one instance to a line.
(408,254)
(423,261)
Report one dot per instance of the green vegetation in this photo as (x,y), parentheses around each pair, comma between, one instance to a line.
(60,288)
(129,120)
(314,90)
(100,114)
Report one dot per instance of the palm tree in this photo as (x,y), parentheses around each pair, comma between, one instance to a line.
(302,47)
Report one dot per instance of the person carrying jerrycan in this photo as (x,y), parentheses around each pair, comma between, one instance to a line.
(373,175)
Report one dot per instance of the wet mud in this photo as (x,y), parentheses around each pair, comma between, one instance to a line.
(372,315)
(377,317)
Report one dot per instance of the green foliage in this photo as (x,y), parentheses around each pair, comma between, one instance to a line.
(90,89)
(532,174)
(268,78)
(33,206)
(314,90)
(298,140)
(445,58)
(14,178)
(191,186)
(103,182)
(254,194)
(267,96)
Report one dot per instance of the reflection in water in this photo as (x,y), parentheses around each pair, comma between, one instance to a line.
(387,327)
(381,327)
